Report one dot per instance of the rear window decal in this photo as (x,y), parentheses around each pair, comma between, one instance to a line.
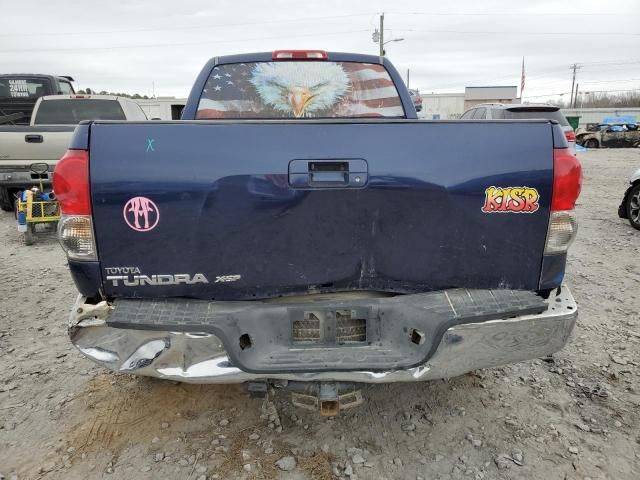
(299,90)
(511,200)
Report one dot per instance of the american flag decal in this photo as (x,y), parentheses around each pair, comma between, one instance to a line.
(299,89)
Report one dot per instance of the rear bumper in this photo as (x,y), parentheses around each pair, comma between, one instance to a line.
(23,178)
(201,357)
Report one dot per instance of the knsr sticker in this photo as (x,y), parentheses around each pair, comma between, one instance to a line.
(511,200)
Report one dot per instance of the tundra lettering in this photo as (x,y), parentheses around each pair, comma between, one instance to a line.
(154,280)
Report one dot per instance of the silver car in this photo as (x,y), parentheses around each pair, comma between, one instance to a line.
(516,111)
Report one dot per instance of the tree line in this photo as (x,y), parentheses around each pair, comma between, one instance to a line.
(90,91)
(629,99)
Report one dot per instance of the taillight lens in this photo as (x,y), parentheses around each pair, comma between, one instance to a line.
(299,55)
(71,186)
(567,183)
(570,135)
(71,183)
(563,228)
(75,233)
(567,180)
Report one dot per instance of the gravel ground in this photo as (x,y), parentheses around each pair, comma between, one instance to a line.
(573,417)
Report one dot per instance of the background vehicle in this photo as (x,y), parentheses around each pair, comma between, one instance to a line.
(514,111)
(625,135)
(46,139)
(368,257)
(20,91)
(416,99)
(630,206)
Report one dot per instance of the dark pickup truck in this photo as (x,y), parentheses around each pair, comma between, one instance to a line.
(300,226)
(19,93)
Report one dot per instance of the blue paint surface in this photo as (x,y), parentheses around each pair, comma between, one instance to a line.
(230,208)
(227,208)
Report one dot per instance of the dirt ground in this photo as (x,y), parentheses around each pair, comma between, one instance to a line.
(574,417)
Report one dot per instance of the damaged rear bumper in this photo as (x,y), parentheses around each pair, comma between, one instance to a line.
(407,338)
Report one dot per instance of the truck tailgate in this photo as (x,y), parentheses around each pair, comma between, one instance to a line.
(23,145)
(243,210)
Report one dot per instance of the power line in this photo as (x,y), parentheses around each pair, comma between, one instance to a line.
(613,81)
(583,93)
(180,44)
(185,27)
(519,14)
(625,62)
(547,74)
(520,32)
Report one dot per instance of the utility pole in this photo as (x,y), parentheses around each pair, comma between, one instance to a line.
(407,78)
(572,100)
(382,34)
(575,101)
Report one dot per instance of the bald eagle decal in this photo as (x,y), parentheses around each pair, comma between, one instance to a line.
(299,89)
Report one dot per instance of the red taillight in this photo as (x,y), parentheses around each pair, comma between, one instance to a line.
(567,180)
(299,55)
(570,136)
(71,183)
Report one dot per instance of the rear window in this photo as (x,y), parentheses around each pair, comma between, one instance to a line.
(63,112)
(529,114)
(23,87)
(65,88)
(299,89)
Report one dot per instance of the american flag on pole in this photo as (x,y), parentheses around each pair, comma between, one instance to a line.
(299,90)
(522,80)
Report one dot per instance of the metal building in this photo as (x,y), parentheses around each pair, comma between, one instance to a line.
(499,94)
(163,108)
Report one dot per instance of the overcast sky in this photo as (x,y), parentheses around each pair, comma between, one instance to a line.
(127,46)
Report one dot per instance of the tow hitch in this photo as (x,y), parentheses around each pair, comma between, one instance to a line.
(326,397)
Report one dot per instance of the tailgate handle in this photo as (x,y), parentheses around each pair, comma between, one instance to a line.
(328,173)
(33,138)
(329,177)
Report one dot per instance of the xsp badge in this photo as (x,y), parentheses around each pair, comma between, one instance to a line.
(511,200)
(136,280)
(227,278)
(141,214)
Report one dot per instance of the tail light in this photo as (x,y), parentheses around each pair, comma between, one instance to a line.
(567,180)
(567,183)
(71,182)
(570,135)
(71,186)
(299,55)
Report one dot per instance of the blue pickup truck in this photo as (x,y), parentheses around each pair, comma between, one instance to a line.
(300,227)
